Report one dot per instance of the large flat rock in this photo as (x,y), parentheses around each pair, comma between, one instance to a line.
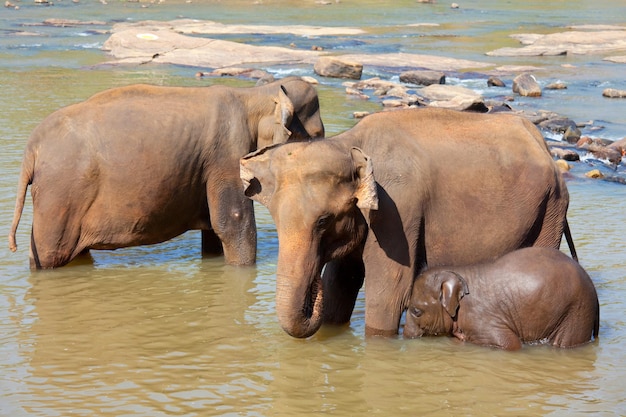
(581,42)
(173,42)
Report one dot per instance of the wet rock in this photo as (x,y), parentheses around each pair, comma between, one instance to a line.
(614,93)
(374,83)
(526,85)
(495,82)
(571,134)
(240,72)
(563,165)
(453,97)
(565,154)
(556,86)
(360,114)
(619,145)
(558,124)
(594,173)
(424,77)
(356,93)
(335,67)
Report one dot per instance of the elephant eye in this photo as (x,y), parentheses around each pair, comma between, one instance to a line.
(323,222)
(416,312)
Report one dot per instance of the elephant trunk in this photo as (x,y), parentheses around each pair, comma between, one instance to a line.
(299,304)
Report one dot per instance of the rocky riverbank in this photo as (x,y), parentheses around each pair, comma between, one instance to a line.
(423,79)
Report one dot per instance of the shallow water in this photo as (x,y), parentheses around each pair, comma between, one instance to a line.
(160,331)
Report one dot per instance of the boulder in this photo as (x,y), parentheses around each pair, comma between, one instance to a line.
(570,42)
(453,97)
(495,82)
(594,173)
(423,77)
(330,66)
(565,153)
(526,85)
(138,46)
(558,85)
(614,93)
(559,124)
(571,134)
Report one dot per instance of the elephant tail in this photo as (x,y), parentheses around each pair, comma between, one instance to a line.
(26,178)
(568,237)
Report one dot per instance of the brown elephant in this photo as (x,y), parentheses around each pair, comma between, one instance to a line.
(528,296)
(142,164)
(410,203)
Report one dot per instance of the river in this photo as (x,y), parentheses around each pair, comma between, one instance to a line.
(161,331)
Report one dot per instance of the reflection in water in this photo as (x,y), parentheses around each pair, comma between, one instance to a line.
(149,341)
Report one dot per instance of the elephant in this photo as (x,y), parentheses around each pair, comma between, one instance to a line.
(141,164)
(529,296)
(381,200)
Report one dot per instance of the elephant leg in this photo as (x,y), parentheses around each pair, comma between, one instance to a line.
(342,279)
(211,244)
(387,291)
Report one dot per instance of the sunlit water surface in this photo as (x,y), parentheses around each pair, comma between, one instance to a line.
(160,331)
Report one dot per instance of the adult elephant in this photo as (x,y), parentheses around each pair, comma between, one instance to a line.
(142,164)
(439,187)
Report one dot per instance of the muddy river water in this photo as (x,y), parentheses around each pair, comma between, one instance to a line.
(161,331)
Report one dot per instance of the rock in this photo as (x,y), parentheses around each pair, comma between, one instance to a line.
(453,97)
(425,77)
(374,83)
(431,62)
(612,155)
(138,45)
(563,165)
(556,86)
(614,93)
(572,134)
(495,82)
(240,72)
(570,42)
(620,145)
(328,66)
(357,93)
(558,124)
(526,85)
(360,114)
(594,173)
(564,153)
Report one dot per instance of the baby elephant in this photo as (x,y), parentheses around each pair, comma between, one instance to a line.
(532,295)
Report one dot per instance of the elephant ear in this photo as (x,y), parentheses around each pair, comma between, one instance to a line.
(453,288)
(283,114)
(366,192)
(257,177)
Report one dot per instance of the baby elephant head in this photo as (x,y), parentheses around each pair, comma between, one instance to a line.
(434,303)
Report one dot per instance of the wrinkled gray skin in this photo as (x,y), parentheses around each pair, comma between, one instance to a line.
(142,164)
(398,191)
(532,295)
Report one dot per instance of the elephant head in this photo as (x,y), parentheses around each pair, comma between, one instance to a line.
(295,114)
(434,303)
(319,194)
(273,128)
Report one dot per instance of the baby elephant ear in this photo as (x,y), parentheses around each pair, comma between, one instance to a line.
(366,193)
(453,288)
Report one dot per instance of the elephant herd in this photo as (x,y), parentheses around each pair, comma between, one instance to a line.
(381,205)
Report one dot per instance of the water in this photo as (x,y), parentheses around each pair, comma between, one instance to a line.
(160,331)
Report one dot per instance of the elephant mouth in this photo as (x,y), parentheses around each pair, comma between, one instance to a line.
(311,307)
